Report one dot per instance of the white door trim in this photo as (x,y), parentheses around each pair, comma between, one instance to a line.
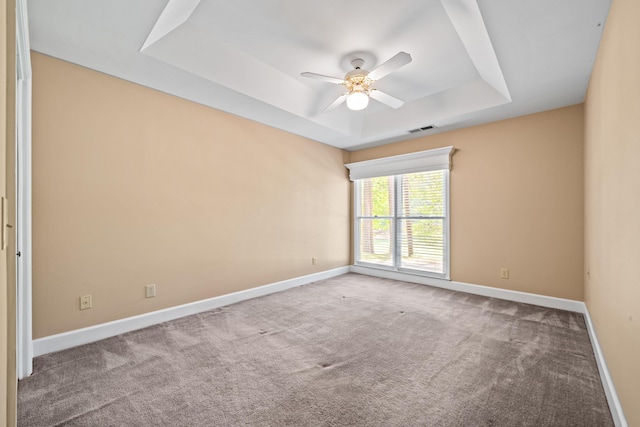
(24,342)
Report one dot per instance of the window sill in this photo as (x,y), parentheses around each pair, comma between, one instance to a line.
(404,271)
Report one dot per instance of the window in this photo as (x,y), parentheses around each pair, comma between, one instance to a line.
(401,220)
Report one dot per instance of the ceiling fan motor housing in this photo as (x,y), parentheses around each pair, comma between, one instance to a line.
(357,80)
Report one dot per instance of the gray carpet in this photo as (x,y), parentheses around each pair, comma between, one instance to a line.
(348,351)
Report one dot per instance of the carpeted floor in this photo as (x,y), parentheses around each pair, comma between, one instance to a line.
(348,351)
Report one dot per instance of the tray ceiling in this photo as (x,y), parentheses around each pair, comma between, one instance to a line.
(473,62)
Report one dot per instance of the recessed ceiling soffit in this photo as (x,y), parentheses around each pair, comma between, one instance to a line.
(458,72)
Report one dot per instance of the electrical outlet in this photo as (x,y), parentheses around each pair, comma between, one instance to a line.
(504,273)
(85,302)
(150,291)
(314,261)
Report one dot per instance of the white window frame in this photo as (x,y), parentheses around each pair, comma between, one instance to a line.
(423,161)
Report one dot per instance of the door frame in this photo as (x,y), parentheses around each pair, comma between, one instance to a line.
(24,339)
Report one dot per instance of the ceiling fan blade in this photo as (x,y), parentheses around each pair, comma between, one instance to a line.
(339,100)
(324,78)
(385,99)
(399,60)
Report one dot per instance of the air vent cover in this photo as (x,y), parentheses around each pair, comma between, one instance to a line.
(422,129)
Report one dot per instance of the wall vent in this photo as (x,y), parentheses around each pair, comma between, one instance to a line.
(422,129)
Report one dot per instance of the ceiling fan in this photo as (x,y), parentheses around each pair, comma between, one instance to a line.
(358,83)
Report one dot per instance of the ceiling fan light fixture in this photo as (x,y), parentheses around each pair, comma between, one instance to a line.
(358,82)
(357,100)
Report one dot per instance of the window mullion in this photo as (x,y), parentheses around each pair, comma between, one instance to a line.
(397,229)
(356,226)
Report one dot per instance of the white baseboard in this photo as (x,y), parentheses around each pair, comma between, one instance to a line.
(105,330)
(541,300)
(607,383)
(487,291)
(95,333)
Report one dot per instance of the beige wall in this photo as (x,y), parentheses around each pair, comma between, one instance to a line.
(612,201)
(8,386)
(516,201)
(132,186)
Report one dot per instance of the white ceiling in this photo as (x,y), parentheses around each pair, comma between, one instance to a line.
(473,61)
